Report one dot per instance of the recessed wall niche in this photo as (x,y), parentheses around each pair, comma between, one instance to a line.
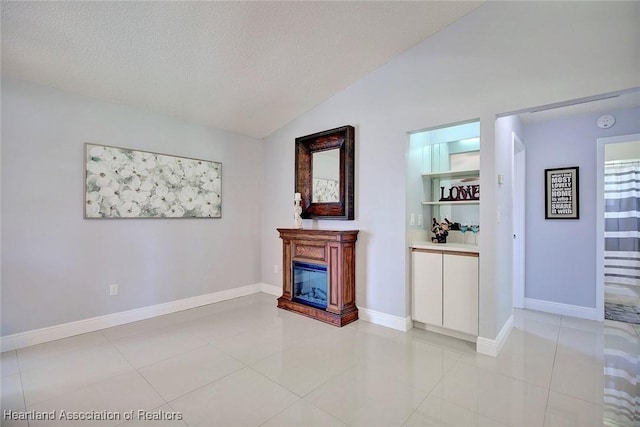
(444,177)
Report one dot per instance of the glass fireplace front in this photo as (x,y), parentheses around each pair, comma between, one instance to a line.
(310,284)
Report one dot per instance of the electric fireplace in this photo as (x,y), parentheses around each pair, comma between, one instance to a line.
(310,284)
(318,277)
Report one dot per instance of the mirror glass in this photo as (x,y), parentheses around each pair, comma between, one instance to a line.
(326,176)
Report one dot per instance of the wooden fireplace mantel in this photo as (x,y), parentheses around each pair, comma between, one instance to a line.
(336,250)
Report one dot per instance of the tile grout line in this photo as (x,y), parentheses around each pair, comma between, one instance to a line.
(300,399)
(553,367)
(204,385)
(199,387)
(280,412)
(134,369)
(72,390)
(24,399)
(205,343)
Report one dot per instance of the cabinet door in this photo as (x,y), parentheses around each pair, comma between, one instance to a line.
(426,284)
(460,289)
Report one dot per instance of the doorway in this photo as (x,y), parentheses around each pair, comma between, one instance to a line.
(618,210)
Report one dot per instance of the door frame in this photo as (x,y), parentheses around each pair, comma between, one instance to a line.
(518,197)
(600,144)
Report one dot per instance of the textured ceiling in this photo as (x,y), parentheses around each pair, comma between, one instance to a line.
(246,67)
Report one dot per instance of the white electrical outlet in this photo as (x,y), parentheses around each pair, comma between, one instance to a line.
(113,290)
(420,220)
(276,269)
(412,219)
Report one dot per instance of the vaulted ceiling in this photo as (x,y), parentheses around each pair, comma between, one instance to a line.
(245,67)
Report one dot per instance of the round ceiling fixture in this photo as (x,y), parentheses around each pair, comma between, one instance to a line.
(606,121)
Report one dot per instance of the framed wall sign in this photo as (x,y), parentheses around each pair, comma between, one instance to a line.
(561,193)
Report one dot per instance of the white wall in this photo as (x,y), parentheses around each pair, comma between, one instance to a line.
(505,127)
(56,266)
(502,57)
(554,248)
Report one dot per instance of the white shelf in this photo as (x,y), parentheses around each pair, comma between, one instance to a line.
(436,177)
(472,173)
(459,202)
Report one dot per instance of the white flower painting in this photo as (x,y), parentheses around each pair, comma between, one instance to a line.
(123,183)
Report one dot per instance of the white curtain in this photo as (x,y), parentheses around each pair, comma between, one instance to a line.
(622,222)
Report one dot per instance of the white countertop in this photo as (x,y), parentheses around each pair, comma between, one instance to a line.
(456,247)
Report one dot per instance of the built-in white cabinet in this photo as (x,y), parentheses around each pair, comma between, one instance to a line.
(460,292)
(427,273)
(445,289)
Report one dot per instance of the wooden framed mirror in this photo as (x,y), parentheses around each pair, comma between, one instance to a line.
(324,173)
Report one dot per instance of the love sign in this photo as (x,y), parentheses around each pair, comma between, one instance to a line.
(458,193)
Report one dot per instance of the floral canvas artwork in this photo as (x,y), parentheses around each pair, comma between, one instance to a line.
(123,183)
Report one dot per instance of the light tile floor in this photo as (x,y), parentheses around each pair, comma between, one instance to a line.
(244,362)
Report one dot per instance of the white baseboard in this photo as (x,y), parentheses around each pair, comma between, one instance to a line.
(56,332)
(588,313)
(271,289)
(39,336)
(492,347)
(444,331)
(383,319)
